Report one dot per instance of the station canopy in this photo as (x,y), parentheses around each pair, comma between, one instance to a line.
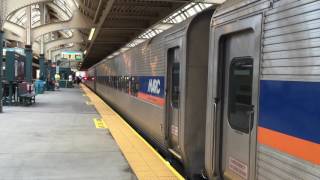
(117,25)
(56,11)
(130,23)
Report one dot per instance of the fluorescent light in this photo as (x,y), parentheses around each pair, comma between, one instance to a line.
(85,52)
(91,33)
(124,49)
(116,53)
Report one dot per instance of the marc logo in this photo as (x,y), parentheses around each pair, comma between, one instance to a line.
(154,86)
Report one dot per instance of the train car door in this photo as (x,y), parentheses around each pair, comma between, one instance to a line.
(173,100)
(239,48)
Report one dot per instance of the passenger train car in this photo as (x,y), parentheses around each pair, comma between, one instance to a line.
(263,118)
(259,90)
(160,87)
(90,79)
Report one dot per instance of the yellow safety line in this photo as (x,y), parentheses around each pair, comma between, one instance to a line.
(110,113)
(179,176)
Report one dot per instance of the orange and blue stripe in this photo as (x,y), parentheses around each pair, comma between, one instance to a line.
(289,118)
(160,101)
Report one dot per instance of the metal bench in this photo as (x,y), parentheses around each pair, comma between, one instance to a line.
(26,94)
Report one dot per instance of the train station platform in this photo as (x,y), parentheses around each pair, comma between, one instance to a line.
(73,134)
(145,161)
(56,139)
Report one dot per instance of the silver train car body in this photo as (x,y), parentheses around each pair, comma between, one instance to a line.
(91,78)
(263,118)
(160,87)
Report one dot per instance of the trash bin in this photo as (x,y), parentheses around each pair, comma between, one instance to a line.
(39,86)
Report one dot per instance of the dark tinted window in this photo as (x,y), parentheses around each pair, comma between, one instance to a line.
(175,84)
(240,94)
(174,72)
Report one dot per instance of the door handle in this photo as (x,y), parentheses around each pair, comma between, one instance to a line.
(214,124)
(214,110)
(251,120)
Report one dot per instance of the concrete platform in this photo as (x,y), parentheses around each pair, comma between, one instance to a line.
(144,160)
(56,139)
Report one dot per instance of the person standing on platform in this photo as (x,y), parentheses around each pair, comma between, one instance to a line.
(57,79)
(77,80)
(70,78)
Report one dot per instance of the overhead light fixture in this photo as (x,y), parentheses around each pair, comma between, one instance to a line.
(91,33)
(85,52)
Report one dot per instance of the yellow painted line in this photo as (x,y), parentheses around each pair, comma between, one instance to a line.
(99,123)
(144,160)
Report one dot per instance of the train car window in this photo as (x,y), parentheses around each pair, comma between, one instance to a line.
(136,85)
(133,86)
(128,84)
(107,80)
(118,79)
(112,82)
(175,84)
(132,81)
(240,94)
(116,82)
(112,79)
(119,83)
(123,84)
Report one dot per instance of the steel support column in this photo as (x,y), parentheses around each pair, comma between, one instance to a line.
(1,68)
(28,26)
(28,47)
(43,21)
(43,74)
(28,68)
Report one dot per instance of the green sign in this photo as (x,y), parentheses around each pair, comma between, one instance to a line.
(72,55)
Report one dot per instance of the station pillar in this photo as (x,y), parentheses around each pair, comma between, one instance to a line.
(10,74)
(43,73)
(28,68)
(1,68)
